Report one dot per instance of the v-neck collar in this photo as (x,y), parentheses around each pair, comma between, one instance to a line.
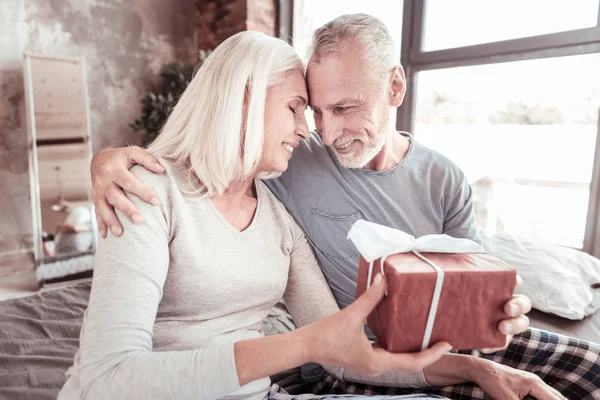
(231,228)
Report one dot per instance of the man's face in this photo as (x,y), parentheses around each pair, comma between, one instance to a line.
(351,109)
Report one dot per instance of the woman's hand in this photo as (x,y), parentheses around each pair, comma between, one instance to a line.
(340,339)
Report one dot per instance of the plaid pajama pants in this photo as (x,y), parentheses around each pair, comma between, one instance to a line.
(277,393)
(569,365)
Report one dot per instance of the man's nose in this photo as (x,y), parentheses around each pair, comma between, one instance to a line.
(330,129)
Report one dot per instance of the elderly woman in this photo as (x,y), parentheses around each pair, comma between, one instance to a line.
(177,302)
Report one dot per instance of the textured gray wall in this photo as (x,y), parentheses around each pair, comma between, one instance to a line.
(124,42)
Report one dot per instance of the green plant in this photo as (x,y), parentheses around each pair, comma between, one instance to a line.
(157,105)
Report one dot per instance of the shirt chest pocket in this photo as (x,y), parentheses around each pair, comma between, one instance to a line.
(330,232)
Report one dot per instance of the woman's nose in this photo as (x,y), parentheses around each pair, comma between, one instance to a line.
(302,130)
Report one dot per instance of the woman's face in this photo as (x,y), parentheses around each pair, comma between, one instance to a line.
(285,124)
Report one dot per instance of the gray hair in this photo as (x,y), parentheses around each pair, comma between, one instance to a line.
(369,32)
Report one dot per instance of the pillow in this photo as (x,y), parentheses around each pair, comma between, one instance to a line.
(558,280)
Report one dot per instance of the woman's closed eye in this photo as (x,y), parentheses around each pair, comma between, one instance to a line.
(297,108)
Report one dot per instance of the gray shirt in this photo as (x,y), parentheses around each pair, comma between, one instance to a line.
(170,297)
(426,193)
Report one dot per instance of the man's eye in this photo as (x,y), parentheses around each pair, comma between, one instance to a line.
(292,110)
(340,109)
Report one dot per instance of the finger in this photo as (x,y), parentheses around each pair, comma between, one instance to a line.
(101,227)
(106,212)
(542,391)
(519,281)
(130,183)
(490,350)
(514,326)
(365,304)
(495,349)
(119,200)
(517,306)
(136,155)
(558,394)
(412,361)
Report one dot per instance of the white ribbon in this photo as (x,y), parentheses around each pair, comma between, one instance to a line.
(375,241)
(437,291)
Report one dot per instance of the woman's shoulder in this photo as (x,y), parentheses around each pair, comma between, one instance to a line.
(278,210)
(161,183)
(174,172)
(165,184)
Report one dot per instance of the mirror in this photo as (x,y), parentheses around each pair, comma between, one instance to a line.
(60,154)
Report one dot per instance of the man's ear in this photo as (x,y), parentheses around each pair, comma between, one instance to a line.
(397,86)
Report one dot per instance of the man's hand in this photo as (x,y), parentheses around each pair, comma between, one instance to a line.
(515,308)
(111,176)
(505,383)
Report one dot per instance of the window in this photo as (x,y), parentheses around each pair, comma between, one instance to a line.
(312,14)
(456,23)
(524,133)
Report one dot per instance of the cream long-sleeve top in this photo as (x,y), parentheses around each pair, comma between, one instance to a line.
(171,296)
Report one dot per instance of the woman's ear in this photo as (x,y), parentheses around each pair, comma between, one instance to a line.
(397,86)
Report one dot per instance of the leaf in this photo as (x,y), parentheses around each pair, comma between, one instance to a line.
(157,104)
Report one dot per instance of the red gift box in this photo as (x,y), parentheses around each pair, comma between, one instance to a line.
(475,288)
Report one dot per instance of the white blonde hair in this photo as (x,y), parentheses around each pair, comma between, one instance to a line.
(217,126)
(379,51)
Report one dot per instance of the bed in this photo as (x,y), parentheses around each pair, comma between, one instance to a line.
(39,335)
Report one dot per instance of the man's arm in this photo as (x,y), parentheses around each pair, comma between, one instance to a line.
(459,216)
(497,381)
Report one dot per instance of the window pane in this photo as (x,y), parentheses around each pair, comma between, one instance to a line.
(458,23)
(312,14)
(524,133)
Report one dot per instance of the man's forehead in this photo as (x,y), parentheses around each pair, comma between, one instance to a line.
(335,90)
(333,71)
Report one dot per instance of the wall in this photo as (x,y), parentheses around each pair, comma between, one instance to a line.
(216,20)
(125,43)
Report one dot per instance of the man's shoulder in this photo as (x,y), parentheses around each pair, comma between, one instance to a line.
(311,159)
(438,165)
(274,205)
(311,148)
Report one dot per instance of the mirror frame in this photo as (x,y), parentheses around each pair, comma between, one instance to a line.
(36,212)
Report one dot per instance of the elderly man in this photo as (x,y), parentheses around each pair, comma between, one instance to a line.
(356,166)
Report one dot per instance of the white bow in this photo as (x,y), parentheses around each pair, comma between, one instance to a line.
(375,241)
